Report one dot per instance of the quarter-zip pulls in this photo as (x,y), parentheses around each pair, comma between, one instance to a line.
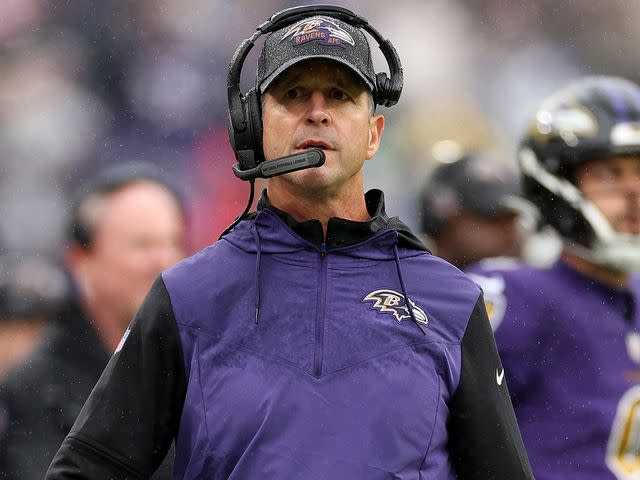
(256,236)
(321,310)
(321,300)
(407,300)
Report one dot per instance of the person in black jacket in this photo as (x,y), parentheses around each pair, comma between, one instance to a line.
(31,288)
(125,227)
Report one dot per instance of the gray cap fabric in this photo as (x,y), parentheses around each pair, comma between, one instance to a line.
(472,183)
(315,37)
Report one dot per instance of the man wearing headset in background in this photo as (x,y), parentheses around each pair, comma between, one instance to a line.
(318,338)
(470,210)
(569,335)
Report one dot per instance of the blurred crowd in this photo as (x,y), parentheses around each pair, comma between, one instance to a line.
(86,84)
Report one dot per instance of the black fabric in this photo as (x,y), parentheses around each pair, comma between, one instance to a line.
(41,398)
(485,438)
(342,232)
(144,410)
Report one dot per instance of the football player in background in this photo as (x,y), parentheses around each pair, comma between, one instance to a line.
(569,335)
(470,210)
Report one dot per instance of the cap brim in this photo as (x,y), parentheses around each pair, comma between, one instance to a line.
(294,61)
(497,206)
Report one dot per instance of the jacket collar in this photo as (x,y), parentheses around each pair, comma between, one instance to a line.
(342,232)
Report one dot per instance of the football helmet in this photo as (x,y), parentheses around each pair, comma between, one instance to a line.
(591,118)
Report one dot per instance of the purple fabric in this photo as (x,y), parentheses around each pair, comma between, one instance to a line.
(562,343)
(324,386)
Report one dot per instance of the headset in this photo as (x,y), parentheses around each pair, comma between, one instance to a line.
(245,116)
(245,112)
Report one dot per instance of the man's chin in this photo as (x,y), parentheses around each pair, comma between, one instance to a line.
(317,177)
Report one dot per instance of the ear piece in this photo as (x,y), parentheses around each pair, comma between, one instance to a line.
(254,117)
(382,86)
(387,94)
(245,130)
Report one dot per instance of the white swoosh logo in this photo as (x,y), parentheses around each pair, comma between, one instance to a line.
(499,376)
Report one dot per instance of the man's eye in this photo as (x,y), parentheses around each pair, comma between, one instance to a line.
(293,93)
(338,95)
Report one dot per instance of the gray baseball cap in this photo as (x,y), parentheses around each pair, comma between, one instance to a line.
(317,36)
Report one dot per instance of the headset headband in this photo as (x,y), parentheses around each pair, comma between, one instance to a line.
(245,118)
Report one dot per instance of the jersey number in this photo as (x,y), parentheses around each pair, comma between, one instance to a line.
(623,449)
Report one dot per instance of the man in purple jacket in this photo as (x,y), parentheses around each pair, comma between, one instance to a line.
(569,335)
(317,339)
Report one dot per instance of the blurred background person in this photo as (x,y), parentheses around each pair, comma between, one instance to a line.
(31,288)
(126,227)
(470,209)
(569,334)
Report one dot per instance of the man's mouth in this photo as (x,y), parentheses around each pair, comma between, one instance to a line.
(308,144)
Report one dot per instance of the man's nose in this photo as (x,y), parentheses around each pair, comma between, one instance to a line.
(318,112)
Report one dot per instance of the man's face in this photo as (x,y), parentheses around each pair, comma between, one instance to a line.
(471,237)
(320,103)
(138,232)
(613,185)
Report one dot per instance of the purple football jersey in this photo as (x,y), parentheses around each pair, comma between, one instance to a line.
(571,351)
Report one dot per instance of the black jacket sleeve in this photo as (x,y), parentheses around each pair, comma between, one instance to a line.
(132,415)
(485,439)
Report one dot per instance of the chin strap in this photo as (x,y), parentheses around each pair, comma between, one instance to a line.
(621,253)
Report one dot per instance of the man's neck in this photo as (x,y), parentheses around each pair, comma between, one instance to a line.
(616,279)
(347,203)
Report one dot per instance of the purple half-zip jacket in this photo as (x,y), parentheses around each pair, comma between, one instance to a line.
(269,355)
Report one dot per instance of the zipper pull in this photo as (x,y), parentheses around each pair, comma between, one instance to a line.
(323,249)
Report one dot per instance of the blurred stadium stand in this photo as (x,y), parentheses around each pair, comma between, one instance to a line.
(83,84)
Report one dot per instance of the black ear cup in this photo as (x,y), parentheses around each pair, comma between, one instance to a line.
(254,118)
(245,130)
(387,94)
(382,87)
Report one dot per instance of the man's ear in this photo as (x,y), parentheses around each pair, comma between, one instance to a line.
(376,127)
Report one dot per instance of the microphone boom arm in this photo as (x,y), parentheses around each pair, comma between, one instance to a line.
(312,158)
